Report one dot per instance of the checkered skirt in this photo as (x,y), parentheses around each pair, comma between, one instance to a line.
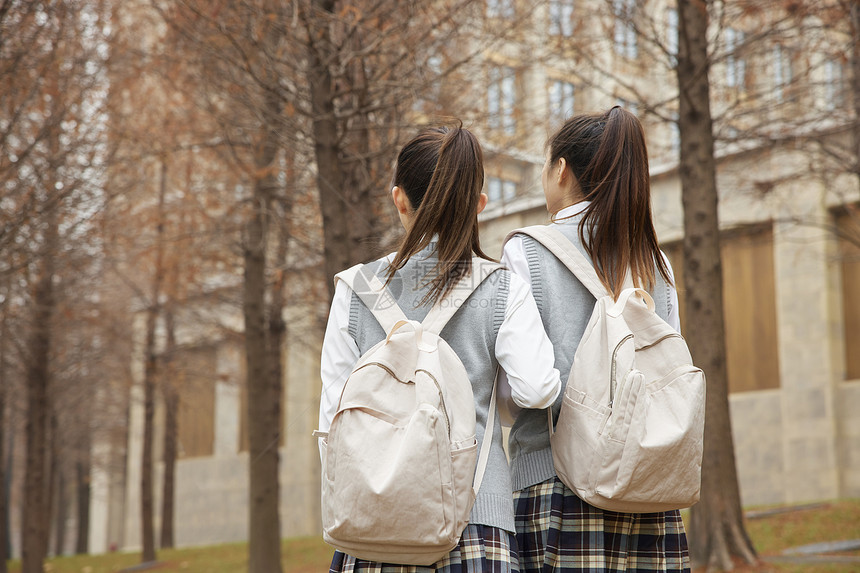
(482,549)
(558,532)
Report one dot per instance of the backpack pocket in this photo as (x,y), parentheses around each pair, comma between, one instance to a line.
(384,485)
(662,447)
(463,459)
(576,441)
(627,417)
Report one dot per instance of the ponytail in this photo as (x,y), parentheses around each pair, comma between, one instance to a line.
(609,158)
(441,171)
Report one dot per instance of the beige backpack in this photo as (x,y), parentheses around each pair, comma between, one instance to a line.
(630,432)
(399,471)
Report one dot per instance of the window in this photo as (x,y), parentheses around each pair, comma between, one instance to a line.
(672,35)
(499,189)
(848,225)
(501,99)
(500,9)
(749,306)
(561,18)
(735,64)
(625,31)
(781,72)
(834,77)
(561,99)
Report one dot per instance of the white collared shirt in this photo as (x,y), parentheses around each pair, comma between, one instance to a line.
(522,348)
(514,257)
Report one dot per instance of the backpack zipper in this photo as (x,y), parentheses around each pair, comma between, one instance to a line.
(436,382)
(613,381)
(661,339)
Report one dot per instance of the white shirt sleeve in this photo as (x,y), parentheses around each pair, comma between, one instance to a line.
(514,258)
(674,318)
(339,355)
(524,351)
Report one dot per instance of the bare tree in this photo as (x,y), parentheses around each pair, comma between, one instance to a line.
(854,8)
(326,89)
(83,492)
(170,397)
(717,530)
(37,512)
(4,382)
(264,390)
(50,65)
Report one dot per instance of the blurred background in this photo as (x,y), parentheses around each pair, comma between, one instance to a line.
(180,180)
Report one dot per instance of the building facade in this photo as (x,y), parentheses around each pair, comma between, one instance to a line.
(790,250)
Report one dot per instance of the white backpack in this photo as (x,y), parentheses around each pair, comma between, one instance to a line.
(630,431)
(399,471)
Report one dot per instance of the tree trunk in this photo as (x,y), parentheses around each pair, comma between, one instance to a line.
(147,503)
(716,522)
(4,506)
(171,434)
(60,514)
(337,246)
(7,492)
(36,508)
(264,390)
(855,81)
(82,485)
(146,466)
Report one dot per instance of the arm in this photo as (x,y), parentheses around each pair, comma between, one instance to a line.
(339,355)
(525,352)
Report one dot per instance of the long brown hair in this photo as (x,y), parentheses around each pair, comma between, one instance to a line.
(441,170)
(609,159)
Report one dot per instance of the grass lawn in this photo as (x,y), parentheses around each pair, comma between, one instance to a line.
(771,534)
(836,521)
(301,555)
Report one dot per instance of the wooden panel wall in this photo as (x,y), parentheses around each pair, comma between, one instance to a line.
(749,306)
(196,379)
(849,251)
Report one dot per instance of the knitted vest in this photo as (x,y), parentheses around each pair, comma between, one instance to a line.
(471,332)
(565,307)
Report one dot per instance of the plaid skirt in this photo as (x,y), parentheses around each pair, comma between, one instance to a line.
(482,549)
(558,532)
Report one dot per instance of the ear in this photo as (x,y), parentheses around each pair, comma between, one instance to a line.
(401,201)
(482,202)
(562,170)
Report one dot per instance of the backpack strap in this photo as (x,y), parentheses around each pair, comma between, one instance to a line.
(484,454)
(565,251)
(447,306)
(374,294)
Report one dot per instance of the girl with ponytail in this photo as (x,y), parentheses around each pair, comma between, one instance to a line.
(437,192)
(598,194)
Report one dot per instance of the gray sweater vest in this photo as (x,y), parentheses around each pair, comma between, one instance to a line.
(471,332)
(565,307)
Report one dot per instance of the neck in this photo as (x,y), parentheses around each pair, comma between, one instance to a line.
(569,203)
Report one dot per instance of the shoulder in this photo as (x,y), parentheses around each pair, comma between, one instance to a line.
(520,246)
